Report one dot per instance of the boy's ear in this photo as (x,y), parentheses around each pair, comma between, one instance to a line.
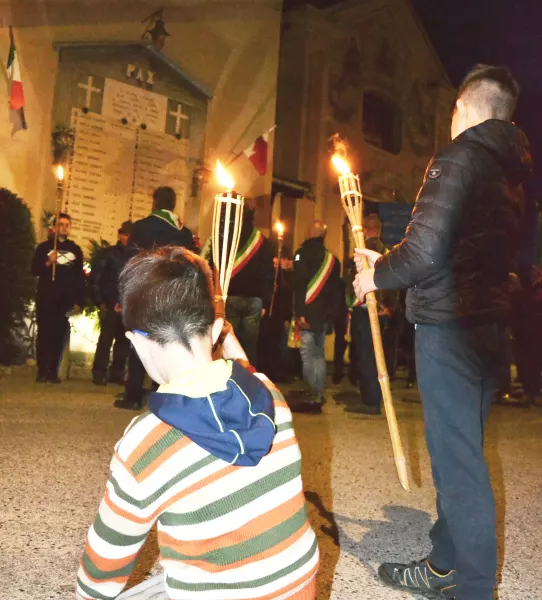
(217,329)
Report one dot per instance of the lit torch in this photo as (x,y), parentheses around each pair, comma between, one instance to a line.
(227,221)
(352,202)
(59,202)
(279,230)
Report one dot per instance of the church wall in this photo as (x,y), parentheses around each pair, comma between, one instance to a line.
(358,47)
(233,53)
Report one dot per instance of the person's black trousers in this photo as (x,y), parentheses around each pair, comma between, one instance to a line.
(458,374)
(111,329)
(53,330)
(134,391)
(369,385)
(529,353)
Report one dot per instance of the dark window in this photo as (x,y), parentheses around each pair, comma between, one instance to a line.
(382,122)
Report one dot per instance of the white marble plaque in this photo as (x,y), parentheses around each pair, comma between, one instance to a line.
(160,161)
(99,191)
(136,105)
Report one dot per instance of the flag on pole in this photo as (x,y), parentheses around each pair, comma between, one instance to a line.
(16,94)
(257,153)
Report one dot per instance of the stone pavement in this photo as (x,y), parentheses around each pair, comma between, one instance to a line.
(56,443)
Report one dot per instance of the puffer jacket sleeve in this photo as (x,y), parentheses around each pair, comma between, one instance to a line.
(430,236)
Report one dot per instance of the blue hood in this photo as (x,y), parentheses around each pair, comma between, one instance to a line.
(235,424)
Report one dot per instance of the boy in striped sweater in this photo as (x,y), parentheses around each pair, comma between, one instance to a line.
(214,462)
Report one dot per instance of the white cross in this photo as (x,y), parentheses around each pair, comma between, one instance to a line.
(179,117)
(88,87)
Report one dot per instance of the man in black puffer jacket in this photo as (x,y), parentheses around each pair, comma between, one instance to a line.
(455,260)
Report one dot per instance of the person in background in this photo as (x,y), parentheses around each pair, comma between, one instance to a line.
(370,392)
(161,228)
(251,285)
(317,289)
(343,331)
(104,277)
(273,353)
(56,299)
(529,339)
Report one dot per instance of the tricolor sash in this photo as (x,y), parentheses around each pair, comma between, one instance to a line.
(317,283)
(168,217)
(245,254)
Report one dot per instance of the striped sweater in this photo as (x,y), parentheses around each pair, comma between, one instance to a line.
(225,532)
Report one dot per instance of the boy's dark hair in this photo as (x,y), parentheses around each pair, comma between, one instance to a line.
(164,198)
(167,293)
(62,215)
(493,89)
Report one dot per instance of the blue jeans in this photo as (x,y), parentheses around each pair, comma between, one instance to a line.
(458,374)
(245,315)
(314,360)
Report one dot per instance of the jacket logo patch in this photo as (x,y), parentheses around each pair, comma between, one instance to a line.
(435,171)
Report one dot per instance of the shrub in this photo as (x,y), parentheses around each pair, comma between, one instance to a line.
(17,285)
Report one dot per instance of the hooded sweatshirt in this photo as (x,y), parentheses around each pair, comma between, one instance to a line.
(215,463)
(460,245)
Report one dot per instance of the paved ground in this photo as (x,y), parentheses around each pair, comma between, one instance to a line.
(56,443)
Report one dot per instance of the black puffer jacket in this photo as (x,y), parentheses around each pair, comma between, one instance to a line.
(459,246)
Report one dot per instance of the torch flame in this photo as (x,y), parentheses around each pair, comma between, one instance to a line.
(224,178)
(340,165)
(60,173)
(279,227)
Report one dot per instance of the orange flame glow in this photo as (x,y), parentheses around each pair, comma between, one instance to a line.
(279,228)
(223,177)
(60,173)
(341,165)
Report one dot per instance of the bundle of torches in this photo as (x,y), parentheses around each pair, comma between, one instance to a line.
(227,223)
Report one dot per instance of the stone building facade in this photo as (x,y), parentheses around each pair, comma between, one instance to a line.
(218,69)
(366,70)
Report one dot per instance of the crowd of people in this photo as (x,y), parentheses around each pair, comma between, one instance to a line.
(281,311)
(215,459)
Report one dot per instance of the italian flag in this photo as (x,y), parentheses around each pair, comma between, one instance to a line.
(16,94)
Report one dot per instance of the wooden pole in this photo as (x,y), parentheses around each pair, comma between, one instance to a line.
(353,204)
(280,239)
(59,200)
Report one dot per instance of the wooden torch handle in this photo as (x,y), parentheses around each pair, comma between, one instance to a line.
(383,377)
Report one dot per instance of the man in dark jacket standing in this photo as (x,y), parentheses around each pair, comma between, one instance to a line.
(251,286)
(104,279)
(161,228)
(317,292)
(455,260)
(55,299)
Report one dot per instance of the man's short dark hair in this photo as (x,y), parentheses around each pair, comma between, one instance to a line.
(167,293)
(164,198)
(62,215)
(491,89)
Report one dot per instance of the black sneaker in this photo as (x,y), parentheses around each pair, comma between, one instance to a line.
(55,380)
(41,378)
(418,578)
(128,404)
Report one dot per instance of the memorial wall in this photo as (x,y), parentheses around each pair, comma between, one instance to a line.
(129,139)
